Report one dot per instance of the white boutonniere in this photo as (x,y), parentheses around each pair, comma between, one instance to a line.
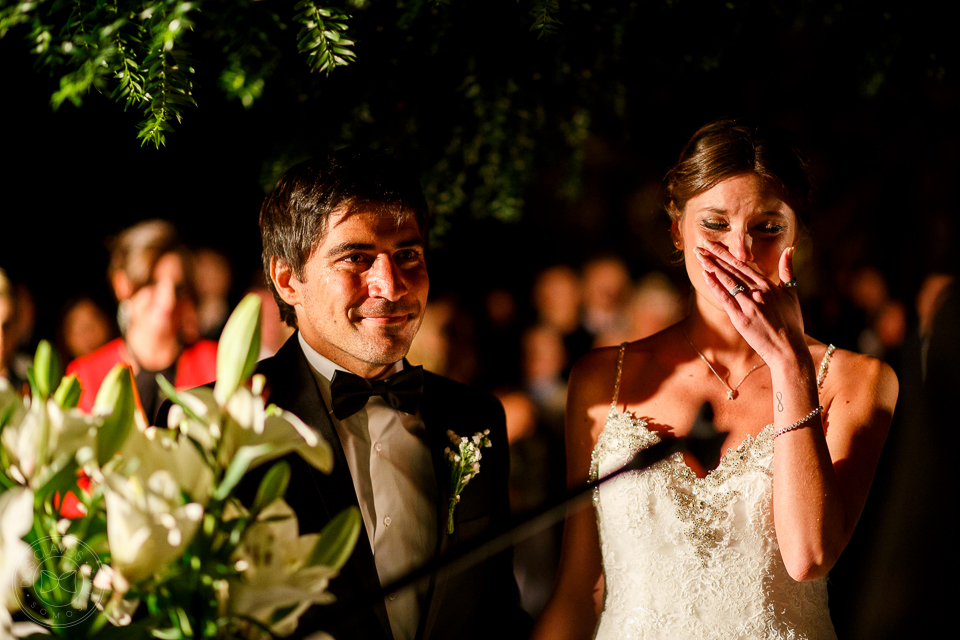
(464,464)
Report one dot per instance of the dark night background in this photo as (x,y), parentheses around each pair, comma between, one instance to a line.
(870,88)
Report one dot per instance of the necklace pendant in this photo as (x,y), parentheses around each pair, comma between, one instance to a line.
(731,394)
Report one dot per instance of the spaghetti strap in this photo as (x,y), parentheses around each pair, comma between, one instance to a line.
(616,385)
(824,365)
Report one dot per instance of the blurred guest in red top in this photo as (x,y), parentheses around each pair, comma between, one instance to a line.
(149,270)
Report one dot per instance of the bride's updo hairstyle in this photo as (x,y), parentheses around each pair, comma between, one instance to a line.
(731,147)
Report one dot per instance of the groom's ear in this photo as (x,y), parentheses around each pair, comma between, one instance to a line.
(285,281)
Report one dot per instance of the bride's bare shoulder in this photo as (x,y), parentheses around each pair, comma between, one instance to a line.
(857,390)
(857,378)
(594,375)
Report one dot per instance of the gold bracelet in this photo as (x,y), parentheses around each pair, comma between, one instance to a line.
(800,422)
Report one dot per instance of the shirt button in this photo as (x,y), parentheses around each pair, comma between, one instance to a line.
(392,596)
(378,446)
(387,521)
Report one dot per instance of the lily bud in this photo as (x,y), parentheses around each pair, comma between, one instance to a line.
(239,348)
(68,393)
(116,403)
(273,486)
(336,540)
(46,370)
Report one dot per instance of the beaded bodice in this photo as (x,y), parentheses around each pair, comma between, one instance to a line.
(694,557)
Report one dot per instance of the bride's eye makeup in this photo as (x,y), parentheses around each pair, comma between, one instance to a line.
(770,228)
(772,225)
(713,224)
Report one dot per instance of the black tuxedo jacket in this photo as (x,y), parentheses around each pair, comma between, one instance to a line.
(480,602)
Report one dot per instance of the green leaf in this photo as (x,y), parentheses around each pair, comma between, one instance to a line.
(171,393)
(12,14)
(63,481)
(184,622)
(68,393)
(239,348)
(322,29)
(145,628)
(115,400)
(544,18)
(282,613)
(337,540)
(273,486)
(5,413)
(239,466)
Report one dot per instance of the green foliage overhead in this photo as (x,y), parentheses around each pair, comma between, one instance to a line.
(132,50)
(323,36)
(545,21)
(137,51)
(484,96)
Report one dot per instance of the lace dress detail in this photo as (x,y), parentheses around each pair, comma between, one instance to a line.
(689,557)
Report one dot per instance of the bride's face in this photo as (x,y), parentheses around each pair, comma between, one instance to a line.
(744,215)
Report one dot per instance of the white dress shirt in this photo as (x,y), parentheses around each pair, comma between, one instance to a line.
(393,476)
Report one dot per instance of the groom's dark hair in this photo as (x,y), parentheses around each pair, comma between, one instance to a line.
(293,218)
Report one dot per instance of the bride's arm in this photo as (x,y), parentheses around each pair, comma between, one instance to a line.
(823,470)
(574,607)
(821,476)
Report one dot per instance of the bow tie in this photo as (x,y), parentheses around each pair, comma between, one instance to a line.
(402,391)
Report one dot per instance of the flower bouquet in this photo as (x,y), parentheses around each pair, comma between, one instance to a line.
(110,528)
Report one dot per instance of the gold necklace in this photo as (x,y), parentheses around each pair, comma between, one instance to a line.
(731,393)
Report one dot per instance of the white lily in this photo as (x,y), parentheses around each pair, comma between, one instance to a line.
(44,438)
(16,519)
(148,525)
(158,449)
(6,625)
(10,630)
(274,575)
(245,422)
(159,486)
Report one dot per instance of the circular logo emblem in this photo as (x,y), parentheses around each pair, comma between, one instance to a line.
(55,582)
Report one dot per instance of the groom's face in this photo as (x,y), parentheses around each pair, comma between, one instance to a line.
(363,292)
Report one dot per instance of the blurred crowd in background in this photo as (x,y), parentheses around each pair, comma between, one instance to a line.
(517,344)
(87,322)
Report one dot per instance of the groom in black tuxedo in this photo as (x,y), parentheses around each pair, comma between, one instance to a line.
(343,248)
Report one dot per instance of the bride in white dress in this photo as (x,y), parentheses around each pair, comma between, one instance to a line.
(743,550)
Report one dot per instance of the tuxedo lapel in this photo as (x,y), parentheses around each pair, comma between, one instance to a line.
(459,602)
(294,388)
(435,416)
(435,420)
